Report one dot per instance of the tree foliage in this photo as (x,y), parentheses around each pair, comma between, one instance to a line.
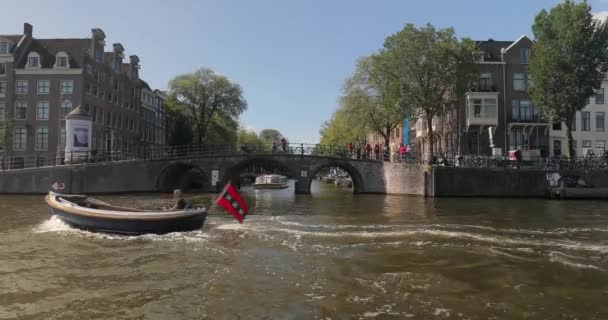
(249,139)
(268,135)
(211,101)
(568,62)
(179,127)
(342,129)
(427,68)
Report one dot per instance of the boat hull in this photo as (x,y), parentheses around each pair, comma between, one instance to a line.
(131,227)
(127,221)
(270,186)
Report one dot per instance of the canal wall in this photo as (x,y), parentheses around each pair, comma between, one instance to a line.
(406,179)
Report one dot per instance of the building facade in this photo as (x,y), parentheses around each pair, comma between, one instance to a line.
(588,130)
(154,116)
(42,80)
(496,114)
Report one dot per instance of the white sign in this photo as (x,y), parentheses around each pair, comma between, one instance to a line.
(215,177)
(304,174)
(58,186)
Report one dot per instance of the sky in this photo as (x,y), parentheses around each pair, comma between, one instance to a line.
(290,57)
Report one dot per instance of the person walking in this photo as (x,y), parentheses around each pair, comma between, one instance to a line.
(368,151)
(376,151)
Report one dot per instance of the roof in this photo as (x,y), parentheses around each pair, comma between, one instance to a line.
(492,48)
(13,38)
(516,41)
(48,48)
(78,113)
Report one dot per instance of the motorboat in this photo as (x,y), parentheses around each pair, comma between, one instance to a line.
(344,182)
(271,181)
(83,212)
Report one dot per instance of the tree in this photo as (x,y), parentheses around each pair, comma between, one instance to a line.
(179,128)
(568,62)
(207,97)
(429,67)
(341,129)
(371,99)
(249,139)
(268,135)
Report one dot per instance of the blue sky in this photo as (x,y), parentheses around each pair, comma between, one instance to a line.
(291,57)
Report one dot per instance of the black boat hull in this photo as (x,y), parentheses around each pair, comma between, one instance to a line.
(130,226)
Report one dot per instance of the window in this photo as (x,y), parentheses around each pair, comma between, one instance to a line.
(600,147)
(19,139)
(94,115)
(519,139)
(33,60)
(62,137)
(66,86)
(108,119)
(557,148)
(2,68)
(599,96)
(585,121)
(4,46)
(573,124)
(557,126)
(42,138)
(21,87)
(20,110)
(61,60)
(65,108)
(42,112)
(586,143)
(2,89)
(2,111)
(599,121)
(522,110)
(477,108)
(524,55)
(485,82)
(99,51)
(519,81)
(44,86)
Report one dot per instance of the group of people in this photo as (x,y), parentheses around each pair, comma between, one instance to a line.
(282,142)
(364,151)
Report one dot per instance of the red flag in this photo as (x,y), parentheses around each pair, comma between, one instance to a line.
(231,200)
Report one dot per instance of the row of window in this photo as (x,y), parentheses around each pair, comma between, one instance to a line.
(112,97)
(587,145)
(41,138)
(61,60)
(42,110)
(43,86)
(600,125)
(113,119)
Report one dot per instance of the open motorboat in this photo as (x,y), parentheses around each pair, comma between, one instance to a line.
(86,213)
(271,181)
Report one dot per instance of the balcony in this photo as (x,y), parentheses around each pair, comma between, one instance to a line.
(481,109)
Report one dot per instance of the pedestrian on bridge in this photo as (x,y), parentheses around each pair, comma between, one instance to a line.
(283,144)
(368,151)
(377,151)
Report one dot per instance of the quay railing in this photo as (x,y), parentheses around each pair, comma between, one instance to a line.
(16,161)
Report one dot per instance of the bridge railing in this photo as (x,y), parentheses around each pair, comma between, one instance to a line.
(59,158)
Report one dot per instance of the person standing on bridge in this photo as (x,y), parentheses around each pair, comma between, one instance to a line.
(351,148)
(368,151)
(358,147)
(377,151)
(283,144)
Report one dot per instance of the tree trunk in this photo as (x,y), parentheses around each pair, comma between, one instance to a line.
(571,151)
(429,121)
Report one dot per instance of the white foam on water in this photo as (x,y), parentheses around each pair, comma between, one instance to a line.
(553,257)
(441,312)
(55,225)
(386,309)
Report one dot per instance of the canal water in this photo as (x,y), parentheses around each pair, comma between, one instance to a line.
(330,255)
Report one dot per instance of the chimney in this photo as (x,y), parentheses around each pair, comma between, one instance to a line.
(490,40)
(28,29)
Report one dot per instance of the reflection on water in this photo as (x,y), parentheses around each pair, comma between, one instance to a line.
(329,255)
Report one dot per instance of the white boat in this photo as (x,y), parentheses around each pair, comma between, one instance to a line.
(271,181)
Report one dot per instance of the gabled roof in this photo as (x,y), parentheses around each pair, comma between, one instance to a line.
(517,41)
(48,48)
(492,48)
(13,38)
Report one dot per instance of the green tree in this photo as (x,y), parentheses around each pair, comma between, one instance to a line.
(6,130)
(430,67)
(341,130)
(249,139)
(269,134)
(179,127)
(568,62)
(372,99)
(208,98)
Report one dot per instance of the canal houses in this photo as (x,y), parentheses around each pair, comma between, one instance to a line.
(42,80)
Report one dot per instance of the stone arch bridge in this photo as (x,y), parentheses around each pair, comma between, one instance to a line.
(199,172)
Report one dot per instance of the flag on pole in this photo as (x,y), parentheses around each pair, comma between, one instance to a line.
(230,199)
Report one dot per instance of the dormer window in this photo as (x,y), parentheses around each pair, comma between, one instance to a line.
(4,46)
(61,60)
(33,60)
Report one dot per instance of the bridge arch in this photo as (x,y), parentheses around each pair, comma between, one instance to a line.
(181,175)
(272,165)
(353,172)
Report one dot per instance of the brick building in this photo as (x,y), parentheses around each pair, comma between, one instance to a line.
(42,80)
